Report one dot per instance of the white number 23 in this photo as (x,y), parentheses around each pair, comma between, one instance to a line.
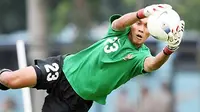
(113,47)
(52,71)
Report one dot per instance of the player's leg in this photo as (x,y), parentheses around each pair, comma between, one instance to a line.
(25,77)
(53,103)
(73,104)
(49,75)
(61,96)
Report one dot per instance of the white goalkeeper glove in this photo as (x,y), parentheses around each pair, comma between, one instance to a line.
(149,10)
(174,38)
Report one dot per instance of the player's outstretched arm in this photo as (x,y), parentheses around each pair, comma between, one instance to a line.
(132,17)
(25,77)
(175,38)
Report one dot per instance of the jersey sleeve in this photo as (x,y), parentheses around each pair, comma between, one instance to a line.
(141,62)
(48,71)
(142,71)
(112,32)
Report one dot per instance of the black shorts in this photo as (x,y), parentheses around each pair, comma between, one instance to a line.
(61,96)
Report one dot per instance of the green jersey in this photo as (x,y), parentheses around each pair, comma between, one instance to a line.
(97,70)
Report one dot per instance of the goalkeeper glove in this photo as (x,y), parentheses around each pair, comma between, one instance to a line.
(149,10)
(2,87)
(174,38)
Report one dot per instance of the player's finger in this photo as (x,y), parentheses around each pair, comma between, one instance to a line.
(182,25)
(181,29)
(164,6)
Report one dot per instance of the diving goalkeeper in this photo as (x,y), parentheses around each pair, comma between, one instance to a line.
(74,81)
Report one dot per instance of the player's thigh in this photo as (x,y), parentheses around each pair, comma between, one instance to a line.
(54,104)
(49,72)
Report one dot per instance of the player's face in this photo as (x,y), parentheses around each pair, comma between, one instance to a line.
(139,32)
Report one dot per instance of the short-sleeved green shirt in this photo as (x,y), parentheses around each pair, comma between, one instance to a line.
(97,70)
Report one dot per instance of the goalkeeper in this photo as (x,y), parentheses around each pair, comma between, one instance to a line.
(74,81)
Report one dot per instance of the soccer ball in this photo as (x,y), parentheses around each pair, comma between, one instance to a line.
(162,22)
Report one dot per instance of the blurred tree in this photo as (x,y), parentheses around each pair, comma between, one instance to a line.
(188,10)
(12,15)
(59,15)
(86,12)
(82,13)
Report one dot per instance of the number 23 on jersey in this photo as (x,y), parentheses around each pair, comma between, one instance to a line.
(111,45)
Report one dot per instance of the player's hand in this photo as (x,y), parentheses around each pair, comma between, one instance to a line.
(149,10)
(175,37)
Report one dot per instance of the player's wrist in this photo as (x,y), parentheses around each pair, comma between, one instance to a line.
(140,14)
(168,50)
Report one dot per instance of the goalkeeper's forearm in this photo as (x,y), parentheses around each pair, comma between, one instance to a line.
(154,63)
(160,59)
(124,21)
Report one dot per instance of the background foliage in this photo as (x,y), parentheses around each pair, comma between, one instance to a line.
(61,12)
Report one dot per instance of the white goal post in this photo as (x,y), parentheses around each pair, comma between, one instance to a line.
(21,56)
